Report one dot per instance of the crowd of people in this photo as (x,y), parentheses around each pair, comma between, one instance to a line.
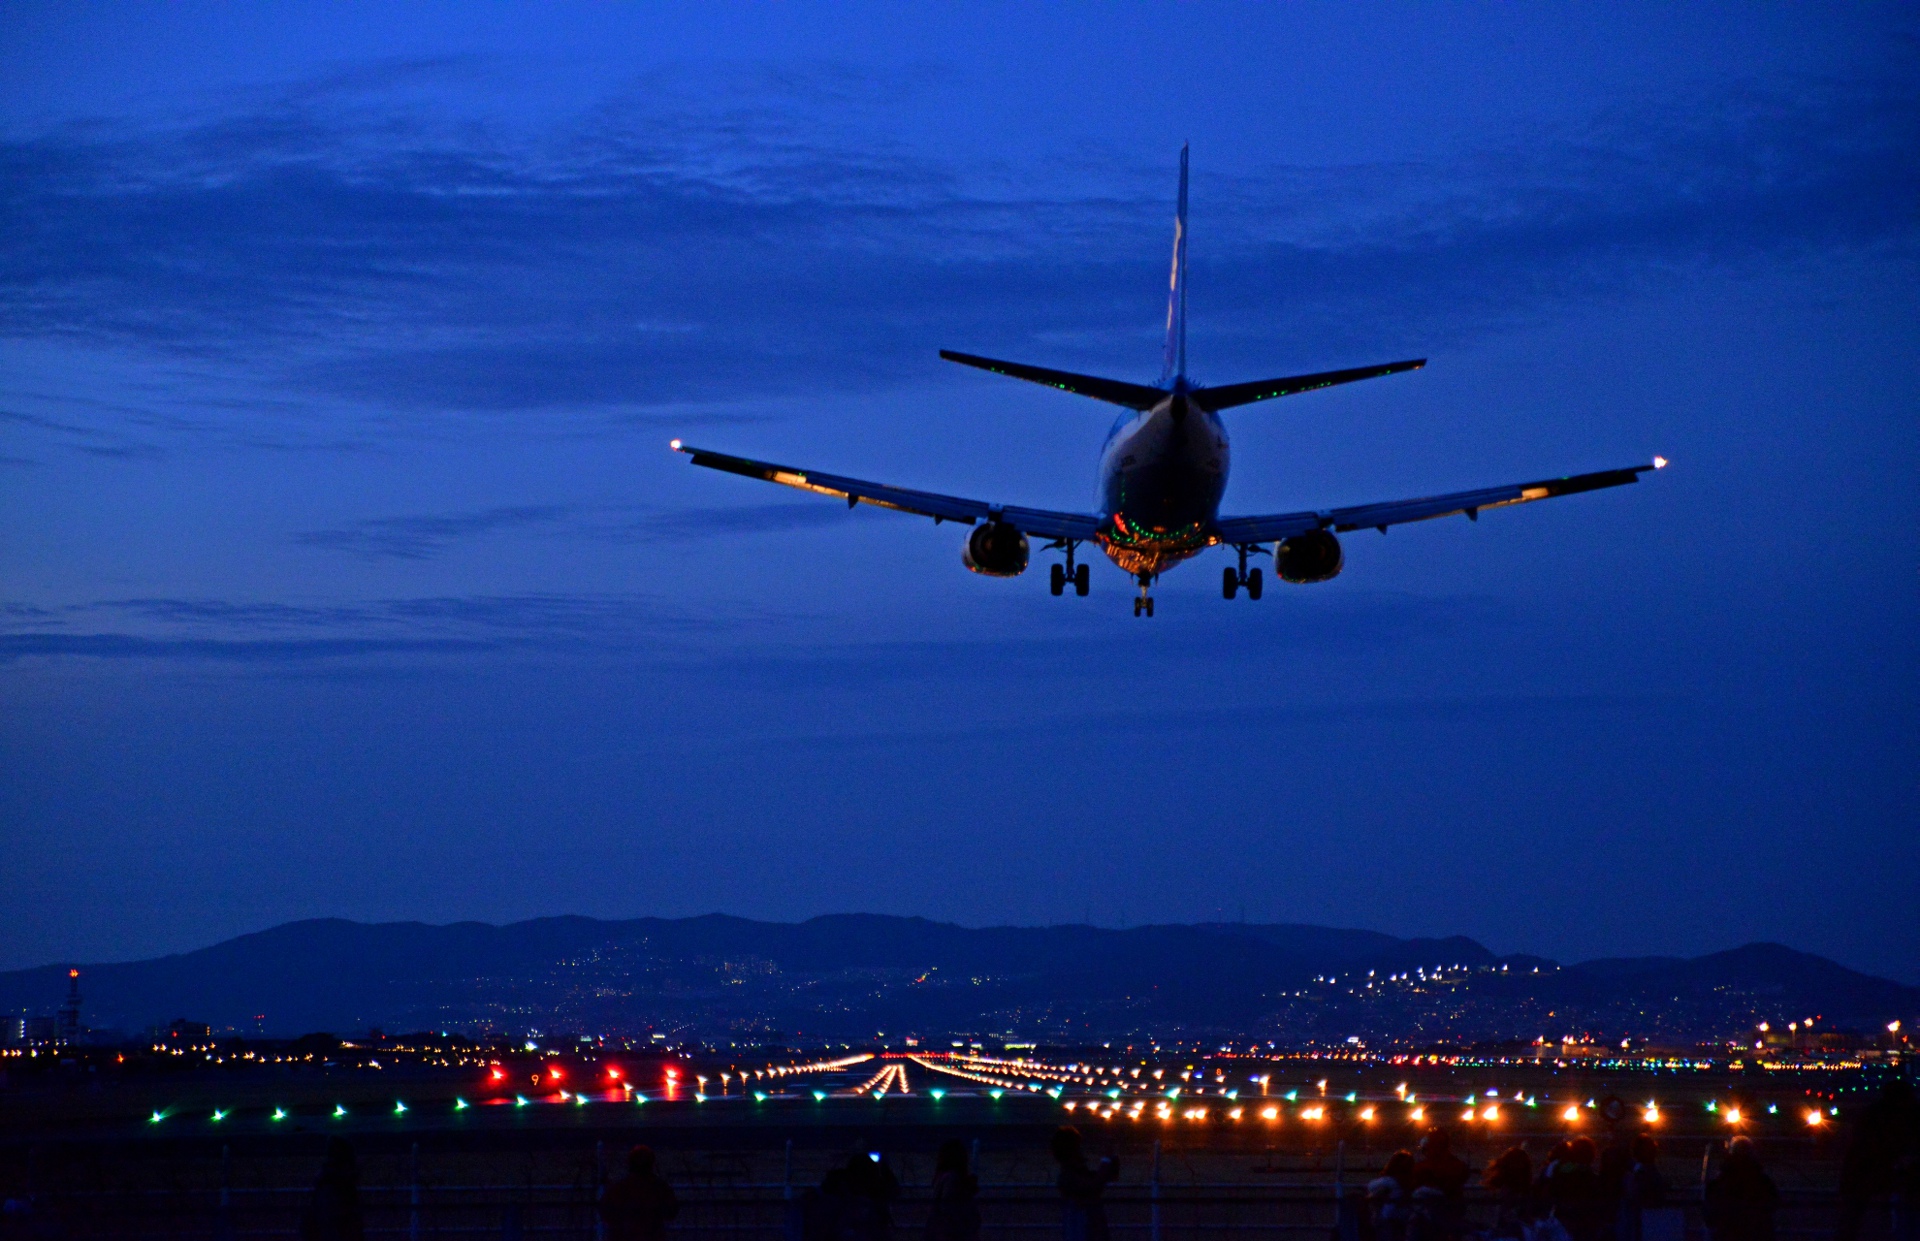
(1579,1192)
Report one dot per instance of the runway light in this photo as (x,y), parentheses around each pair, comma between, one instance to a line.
(398,1107)
(339,1110)
(156,1118)
(996,1092)
(1572,1113)
(1491,1113)
(219,1115)
(639,1098)
(519,1100)
(279,1113)
(580,1100)
(1815,1119)
(937,1093)
(1467,1115)
(759,1096)
(1419,1114)
(1366,1113)
(1733,1116)
(1652,1114)
(819,1095)
(460,1105)
(1269,1113)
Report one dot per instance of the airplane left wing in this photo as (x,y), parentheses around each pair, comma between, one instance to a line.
(1036,521)
(1274,526)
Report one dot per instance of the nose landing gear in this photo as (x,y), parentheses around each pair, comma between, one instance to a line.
(1143,605)
(1231,581)
(1061,575)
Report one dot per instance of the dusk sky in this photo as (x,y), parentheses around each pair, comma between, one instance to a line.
(345,569)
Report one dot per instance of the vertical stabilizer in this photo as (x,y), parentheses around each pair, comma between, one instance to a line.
(1175,367)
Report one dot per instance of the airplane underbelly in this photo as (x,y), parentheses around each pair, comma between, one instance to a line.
(1161,490)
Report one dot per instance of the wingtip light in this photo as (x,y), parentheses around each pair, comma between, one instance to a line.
(675,445)
(1659,463)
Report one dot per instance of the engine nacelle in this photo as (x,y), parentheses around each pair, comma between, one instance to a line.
(996,549)
(1311,557)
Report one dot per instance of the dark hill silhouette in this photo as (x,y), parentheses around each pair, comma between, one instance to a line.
(851,976)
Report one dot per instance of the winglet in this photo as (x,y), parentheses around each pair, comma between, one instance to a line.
(1175,363)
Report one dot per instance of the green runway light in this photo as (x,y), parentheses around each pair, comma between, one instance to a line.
(219,1115)
(279,1113)
(398,1107)
(339,1110)
(996,1092)
(937,1094)
(460,1105)
(519,1100)
(1713,1105)
(1292,1096)
(1351,1096)
(1471,1100)
(759,1096)
(156,1118)
(1773,1109)
(639,1098)
(580,1100)
(1054,1093)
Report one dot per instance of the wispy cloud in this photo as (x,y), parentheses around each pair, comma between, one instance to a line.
(422,537)
(416,538)
(673,249)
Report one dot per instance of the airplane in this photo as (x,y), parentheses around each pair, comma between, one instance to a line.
(1162,473)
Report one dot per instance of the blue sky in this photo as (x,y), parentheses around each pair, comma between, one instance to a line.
(344,569)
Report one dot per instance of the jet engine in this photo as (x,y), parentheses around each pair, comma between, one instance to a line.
(996,549)
(1311,557)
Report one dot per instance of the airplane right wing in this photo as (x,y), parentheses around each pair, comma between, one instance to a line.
(1275,526)
(1046,523)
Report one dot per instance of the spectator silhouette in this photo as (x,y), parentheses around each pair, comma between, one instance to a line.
(1084,1217)
(1510,1180)
(1739,1201)
(333,1210)
(1439,1168)
(1883,1158)
(954,1215)
(854,1198)
(1390,1198)
(1642,1188)
(1574,1193)
(640,1205)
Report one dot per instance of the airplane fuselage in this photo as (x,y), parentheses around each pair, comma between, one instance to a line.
(1162,474)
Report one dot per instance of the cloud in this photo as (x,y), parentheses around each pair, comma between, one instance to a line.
(416,538)
(422,537)
(713,248)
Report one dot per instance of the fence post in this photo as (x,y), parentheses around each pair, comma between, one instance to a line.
(599,1187)
(413,1195)
(223,1219)
(1154,1190)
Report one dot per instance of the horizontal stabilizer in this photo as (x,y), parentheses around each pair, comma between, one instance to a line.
(1133,396)
(1230,395)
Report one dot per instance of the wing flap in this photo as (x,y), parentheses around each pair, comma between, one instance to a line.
(1399,512)
(1228,396)
(1117,392)
(1043,522)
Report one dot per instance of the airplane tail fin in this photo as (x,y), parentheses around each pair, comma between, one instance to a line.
(1175,367)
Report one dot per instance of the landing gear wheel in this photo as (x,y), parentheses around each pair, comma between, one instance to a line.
(1138,605)
(1229,584)
(1057,580)
(1081,581)
(1253,583)
(1149,602)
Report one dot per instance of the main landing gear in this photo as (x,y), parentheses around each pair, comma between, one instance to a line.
(1231,581)
(1143,605)
(1062,574)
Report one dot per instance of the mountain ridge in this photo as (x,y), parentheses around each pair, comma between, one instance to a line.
(844,976)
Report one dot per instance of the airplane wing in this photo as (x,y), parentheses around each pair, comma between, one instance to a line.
(1119,392)
(1229,395)
(1380,516)
(1036,521)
